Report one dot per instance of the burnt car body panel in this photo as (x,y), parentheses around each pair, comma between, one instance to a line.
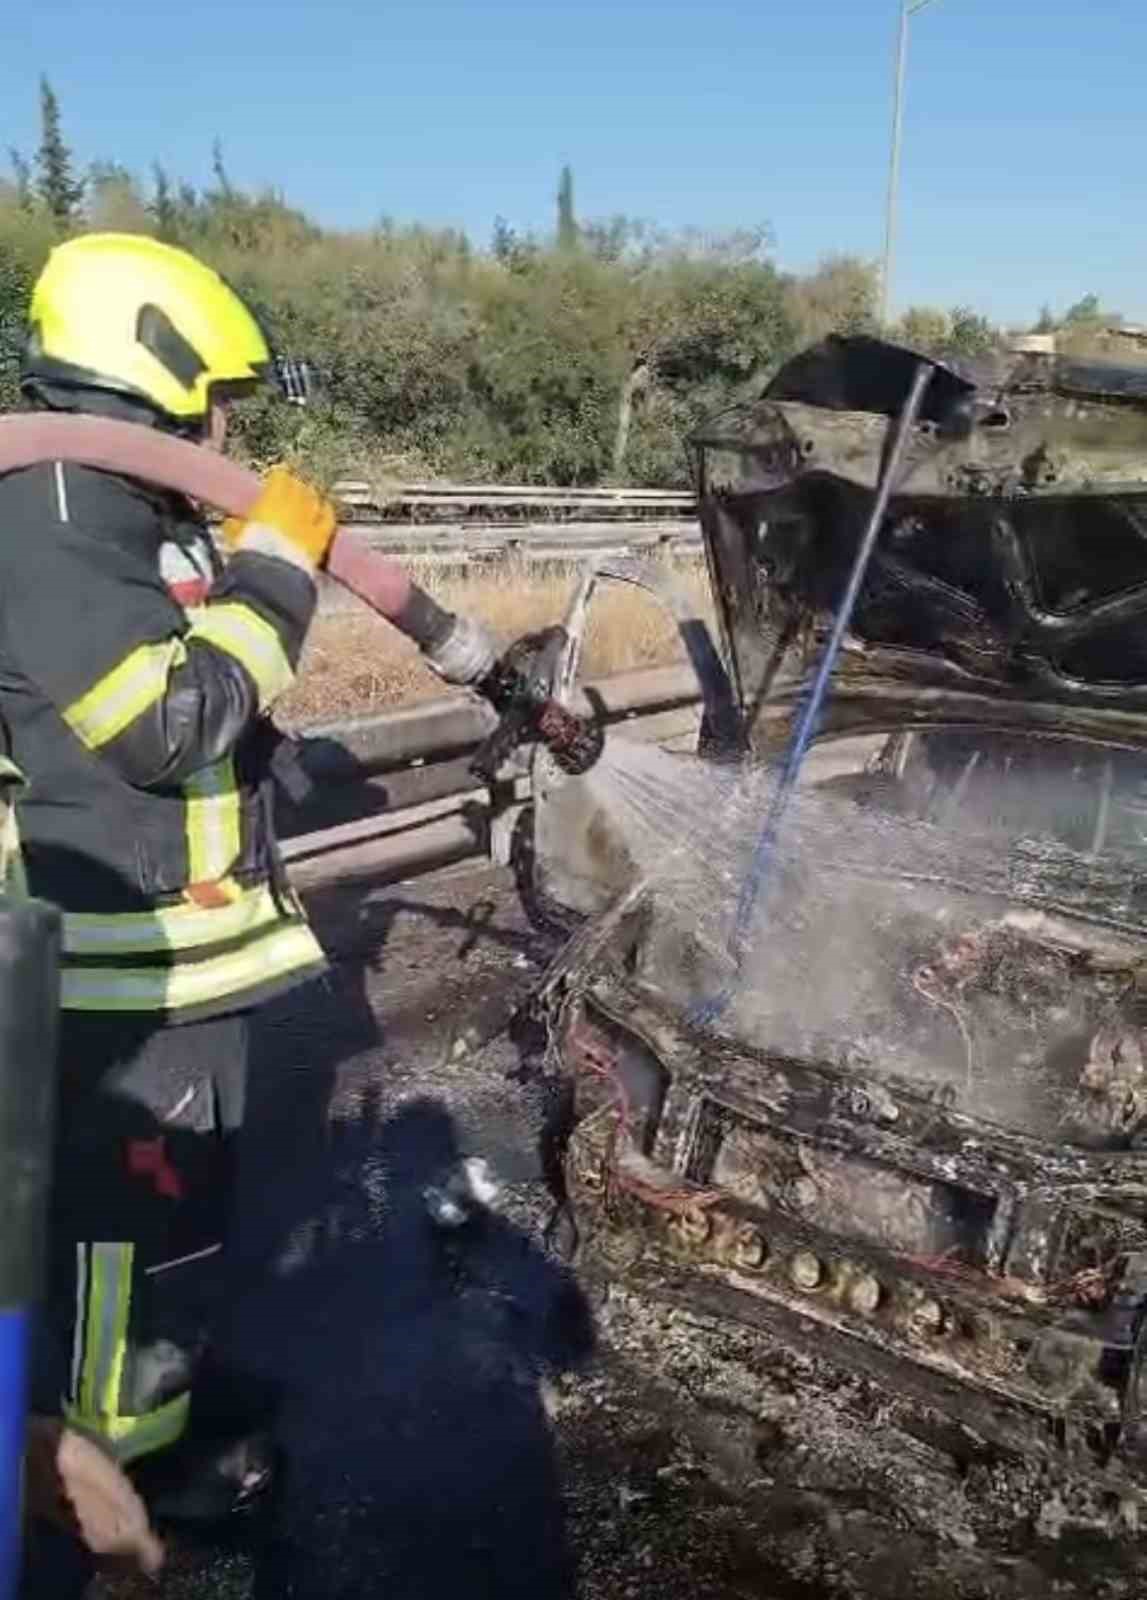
(1015,548)
(977,1239)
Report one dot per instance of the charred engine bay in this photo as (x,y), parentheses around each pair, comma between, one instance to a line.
(917,1142)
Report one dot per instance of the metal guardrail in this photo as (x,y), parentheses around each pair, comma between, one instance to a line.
(464,525)
(485,546)
(472,543)
(460,502)
(393,796)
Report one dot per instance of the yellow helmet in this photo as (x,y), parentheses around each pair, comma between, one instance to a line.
(128,314)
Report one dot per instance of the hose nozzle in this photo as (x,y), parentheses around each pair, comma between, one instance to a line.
(518,687)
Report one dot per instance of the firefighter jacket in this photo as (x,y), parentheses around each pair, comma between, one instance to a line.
(135,677)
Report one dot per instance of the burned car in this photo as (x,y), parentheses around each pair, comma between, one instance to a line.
(913,1133)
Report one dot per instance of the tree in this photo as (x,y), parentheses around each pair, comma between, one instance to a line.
(969,334)
(705,322)
(510,249)
(1084,310)
(15,288)
(163,206)
(1088,329)
(612,239)
(220,170)
(924,328)
(567,222)
(59,189)
(838,297)
(26,236)
(1045,322)
(502,240)
(22,176)
(115,204)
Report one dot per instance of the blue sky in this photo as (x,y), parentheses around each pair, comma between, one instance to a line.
(1024,173)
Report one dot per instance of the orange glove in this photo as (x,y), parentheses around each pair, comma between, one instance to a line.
(289,519)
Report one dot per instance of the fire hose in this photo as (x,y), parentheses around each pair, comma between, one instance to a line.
(516,684)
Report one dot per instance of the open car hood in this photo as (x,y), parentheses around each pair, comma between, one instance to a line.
(1012,566)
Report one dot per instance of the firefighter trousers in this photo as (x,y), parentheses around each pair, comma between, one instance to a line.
(143,1191)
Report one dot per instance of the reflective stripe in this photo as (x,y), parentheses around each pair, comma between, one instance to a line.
(130,1437)
(12,879)
(182,927)
(286,949)
(13,882)
(81,1316)
(125,693)
(103,1310)
(105,1334)
(62,508)
(243,633)
(213,841)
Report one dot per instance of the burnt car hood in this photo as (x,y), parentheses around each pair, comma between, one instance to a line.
(1013,561)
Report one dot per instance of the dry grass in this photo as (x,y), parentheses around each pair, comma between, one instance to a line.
(355,664)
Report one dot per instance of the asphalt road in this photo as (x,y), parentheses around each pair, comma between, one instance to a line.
(466,1418)
(410,1358)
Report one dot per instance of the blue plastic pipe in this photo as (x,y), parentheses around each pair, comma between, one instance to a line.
(764,851)
(14,1341)
(29,1009)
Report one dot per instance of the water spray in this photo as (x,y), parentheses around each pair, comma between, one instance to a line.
(763,856)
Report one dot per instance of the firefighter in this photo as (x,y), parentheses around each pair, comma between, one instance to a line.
(136,677)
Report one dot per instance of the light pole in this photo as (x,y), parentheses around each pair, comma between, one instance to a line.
(908,8)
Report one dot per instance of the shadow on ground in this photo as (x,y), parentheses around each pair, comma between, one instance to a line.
(411,1355)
